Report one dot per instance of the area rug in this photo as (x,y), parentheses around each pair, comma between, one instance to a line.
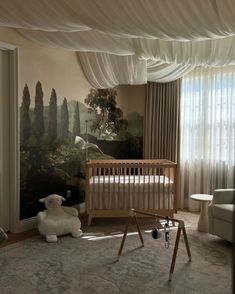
(89,264)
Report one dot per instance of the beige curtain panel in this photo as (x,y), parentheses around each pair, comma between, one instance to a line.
(161,126)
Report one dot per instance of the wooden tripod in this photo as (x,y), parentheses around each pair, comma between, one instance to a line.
(181,227)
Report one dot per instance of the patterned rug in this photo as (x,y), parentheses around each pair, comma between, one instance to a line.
(89,264)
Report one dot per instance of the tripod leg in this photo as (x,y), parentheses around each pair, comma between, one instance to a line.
(174,253)
(186,243)
(124,236)
(138,228)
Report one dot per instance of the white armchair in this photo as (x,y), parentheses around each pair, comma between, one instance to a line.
(221,214)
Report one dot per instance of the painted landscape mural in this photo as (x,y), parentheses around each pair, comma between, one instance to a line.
(57,140)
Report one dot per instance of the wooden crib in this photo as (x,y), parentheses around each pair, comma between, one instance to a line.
(113,187)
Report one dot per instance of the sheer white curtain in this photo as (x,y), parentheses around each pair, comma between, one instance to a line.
(207,131)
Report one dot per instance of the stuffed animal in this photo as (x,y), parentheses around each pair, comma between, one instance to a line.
(58,220)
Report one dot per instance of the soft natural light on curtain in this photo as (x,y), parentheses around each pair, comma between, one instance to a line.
(207,131)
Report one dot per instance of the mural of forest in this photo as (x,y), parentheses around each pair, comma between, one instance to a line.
(51,161)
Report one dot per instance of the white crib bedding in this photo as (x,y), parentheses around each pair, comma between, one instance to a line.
(125,192)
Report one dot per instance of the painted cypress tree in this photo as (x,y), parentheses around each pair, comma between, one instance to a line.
(38,123)
(76,122)
(25,121)
(52,119)
(64,124)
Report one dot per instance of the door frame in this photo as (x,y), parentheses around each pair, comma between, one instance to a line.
(15,224)
(5,141)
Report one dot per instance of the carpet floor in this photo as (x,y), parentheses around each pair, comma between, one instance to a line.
(88,265)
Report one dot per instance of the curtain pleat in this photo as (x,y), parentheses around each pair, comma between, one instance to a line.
(161,126)
(207,156)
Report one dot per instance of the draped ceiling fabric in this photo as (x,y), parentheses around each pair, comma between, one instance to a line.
(103,69)
(162,40)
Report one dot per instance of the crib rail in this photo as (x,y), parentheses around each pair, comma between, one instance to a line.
(113,187)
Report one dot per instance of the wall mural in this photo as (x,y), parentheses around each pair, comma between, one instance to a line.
(56,140)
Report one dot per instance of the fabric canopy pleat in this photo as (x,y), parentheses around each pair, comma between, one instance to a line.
(168,19)
(163,40)
(106,70)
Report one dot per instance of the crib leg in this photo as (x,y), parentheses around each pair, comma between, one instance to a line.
(124,236)
(90,217)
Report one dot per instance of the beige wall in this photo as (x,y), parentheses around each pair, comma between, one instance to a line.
(60,69)
(53,67)
(131,98)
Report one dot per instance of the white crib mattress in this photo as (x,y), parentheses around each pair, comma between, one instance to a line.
(125,192)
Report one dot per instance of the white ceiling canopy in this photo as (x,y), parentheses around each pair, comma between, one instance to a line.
(136,40)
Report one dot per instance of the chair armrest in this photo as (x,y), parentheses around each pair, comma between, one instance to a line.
(223,196)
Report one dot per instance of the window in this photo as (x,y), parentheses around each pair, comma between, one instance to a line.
(208,129)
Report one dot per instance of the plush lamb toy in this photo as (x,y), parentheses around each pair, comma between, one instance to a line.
(58,220)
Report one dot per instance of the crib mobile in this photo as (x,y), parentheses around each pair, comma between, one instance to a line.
(156,234)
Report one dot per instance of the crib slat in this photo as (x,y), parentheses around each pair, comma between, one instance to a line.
(164,187)
(88,188)
(149,191)
(129,196)
(119,196)
(139,201)
(124,188)
(102,171)
(169,190)
(99,198)
(154,188)
(134,186)
(94,189)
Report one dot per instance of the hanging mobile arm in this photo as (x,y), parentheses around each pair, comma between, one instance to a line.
(167,232)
